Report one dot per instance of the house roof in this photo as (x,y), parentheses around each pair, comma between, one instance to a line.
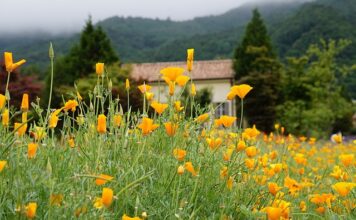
(202,70)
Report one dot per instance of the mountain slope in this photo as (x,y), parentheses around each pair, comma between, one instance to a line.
(293,27)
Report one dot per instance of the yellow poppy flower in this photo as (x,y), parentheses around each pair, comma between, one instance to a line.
(177,106)
(347,159)
(125,217)
(127,84)
(56,199)
(24,117)
(2,101)
(230,183)
(144,88)
(31,210)
(171,86)
(241,90)
(202,118)
(223,172)
(273,213)
(2,164)
(303,206)
(227,121)
(180,170)
(20,128)
(241,145)
(172,72)
(149,96)
(230,96)
(214,143)
(227,154)
(251,151)
(343,188)
(190,59)
(71,142)
(9,64)
(5,118)
(250,163)
(53,119)
(182,80)
(24,103)
(193,90)
(39,133)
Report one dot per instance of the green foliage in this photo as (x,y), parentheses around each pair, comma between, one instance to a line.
(313,100)
(202,100)
(255,36)
(117,76)
(255,64)
(93,47)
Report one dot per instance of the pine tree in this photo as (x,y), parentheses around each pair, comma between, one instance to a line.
(255,63)
(94,46)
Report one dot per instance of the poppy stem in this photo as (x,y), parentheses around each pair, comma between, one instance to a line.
(242,113)
(7,93)
(50,89)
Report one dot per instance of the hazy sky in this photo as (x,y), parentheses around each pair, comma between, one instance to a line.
(69,15)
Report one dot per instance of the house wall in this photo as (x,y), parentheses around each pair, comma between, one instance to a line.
(220,88)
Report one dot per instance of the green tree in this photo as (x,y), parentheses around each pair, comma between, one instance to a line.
(94,46)
(256,64)
(314,101)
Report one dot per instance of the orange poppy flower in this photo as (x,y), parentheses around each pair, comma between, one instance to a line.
(99,69)
(171,128)
(117,120)
(101,127)
(31,150)
(107,196)
(70,105)
(190,168)
(159,107)
(147,126)
(179,154)
(103,179)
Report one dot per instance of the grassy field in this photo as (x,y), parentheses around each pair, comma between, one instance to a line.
(97,161)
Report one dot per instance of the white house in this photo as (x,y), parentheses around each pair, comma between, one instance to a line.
(217,75)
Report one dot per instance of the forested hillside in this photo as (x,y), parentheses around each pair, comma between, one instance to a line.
(292,26)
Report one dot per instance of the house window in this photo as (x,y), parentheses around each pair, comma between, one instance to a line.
(221,108)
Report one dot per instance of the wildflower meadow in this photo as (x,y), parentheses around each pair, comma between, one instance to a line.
(95,160)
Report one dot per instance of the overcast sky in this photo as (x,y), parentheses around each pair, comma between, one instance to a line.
(69,15)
